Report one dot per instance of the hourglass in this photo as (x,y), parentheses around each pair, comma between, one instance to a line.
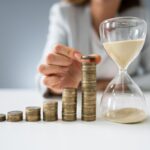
(123,39)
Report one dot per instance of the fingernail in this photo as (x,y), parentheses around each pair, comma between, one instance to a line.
(58,47)
(77,55)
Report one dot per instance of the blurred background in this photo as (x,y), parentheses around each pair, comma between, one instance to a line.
(23,32)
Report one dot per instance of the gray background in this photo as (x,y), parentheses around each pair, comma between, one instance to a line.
(23,30)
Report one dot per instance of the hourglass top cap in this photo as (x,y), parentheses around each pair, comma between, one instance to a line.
(123,19)
(134,24)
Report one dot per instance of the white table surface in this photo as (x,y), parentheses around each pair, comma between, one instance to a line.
(78,135)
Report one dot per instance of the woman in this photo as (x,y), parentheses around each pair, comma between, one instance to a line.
(74,30)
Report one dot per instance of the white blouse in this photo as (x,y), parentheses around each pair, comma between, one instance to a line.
(71,26)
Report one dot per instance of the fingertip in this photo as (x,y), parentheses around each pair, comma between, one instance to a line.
(40,68)
(45,81)
(50,58)
(57,48)
(77,55)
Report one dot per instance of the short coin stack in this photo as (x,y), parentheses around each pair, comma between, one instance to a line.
(2,117)
(88,88)
(33,114)
(69,104)
(50,109)
(15,116)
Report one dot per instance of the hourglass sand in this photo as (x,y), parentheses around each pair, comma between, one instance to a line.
(123,39)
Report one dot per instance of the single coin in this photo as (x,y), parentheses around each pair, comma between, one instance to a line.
(90,90)
(88,114)
(89,75)
(32,118)
(87,82)
(89,97)
(50,111)
(50,117)
(33,110)
(67,95)
(69,99)
(92,64)
(69,110)
(88,57)
(69,117)
(86,92)
(89,70)
(69,107)
(84,112)
(90,106)
(88,78)
(70,90)
(88,100)
(88,86)
(88,117)
(50,103)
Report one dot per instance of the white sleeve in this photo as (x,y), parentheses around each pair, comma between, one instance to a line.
(56,34)
(56,30)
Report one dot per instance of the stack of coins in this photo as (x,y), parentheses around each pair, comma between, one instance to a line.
(33,114)
(50,109)
(69,104)
(88,88)
(15,116)
(2,117)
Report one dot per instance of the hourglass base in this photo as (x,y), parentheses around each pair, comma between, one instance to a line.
(123,101)
(126,115)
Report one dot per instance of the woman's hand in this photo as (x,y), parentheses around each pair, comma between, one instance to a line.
(62,68)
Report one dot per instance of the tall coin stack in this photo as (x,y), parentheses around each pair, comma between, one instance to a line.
(69,104)
(50,108)
(88,88)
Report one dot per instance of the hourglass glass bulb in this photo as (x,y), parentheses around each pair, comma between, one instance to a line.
(123,39)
